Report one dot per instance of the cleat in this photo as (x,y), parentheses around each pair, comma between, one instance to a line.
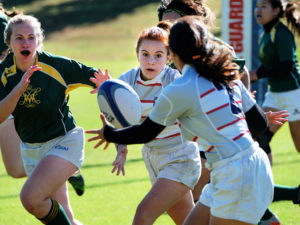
(274,220)
(77,183)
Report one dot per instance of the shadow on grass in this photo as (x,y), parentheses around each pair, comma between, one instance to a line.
(9,196)
(90,186)
(88,166)
(146,179)
(289,162)
(56,17)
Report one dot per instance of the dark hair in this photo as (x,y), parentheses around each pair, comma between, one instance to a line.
(191,41)
(158,33)
(288,10)
(9,13)
(186,8)
(3,44)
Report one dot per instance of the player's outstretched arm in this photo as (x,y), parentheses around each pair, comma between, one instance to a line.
(277,117)
(8,104)
(120,160)
(99,134)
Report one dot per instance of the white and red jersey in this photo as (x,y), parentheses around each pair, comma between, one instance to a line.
(211,111)
(149,91)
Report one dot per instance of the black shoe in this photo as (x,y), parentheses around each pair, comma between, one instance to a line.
(78,184)
(297,199)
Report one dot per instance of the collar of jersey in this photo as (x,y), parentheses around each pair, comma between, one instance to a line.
(157,79)
(36,59)
(186,68)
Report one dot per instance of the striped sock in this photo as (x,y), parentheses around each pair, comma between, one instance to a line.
(56,215)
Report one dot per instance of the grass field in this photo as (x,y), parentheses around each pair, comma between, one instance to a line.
(107,39)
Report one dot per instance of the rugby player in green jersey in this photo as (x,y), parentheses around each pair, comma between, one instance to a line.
(277,53)
(34,87)
(9,139)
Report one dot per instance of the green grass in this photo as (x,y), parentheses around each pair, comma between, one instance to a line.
(106,38)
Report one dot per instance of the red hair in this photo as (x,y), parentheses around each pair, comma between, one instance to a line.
(158,33)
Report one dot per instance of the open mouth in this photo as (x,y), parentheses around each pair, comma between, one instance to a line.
(25,52)
(150,70)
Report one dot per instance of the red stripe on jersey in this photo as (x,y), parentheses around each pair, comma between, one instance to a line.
(195,138)
(241,135)
(208,92)
(173,135)
(210,148)
(231,123)
(233,84)
(147,101)
(151,85)
(239,101)
(143,117)
(216,109)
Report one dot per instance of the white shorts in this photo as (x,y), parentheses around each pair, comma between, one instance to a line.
(181,163)
(241,187)
(289,100)
(69,147)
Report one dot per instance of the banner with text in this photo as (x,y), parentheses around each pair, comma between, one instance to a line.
(240,30)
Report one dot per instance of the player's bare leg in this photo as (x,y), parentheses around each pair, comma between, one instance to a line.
(10,150)
(203,180)
(48,179)
(200,215)
(295,132)
(163,196)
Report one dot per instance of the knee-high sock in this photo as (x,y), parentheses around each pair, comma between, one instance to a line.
(56,215)
(285,193)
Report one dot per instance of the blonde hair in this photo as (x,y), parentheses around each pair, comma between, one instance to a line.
(24,19)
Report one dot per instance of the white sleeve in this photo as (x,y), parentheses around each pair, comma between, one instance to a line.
(168,107)
(247,100)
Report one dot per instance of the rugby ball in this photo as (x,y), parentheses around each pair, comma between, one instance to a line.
(119,103)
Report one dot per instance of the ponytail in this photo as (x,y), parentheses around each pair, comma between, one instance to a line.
(288,9)
(9,13)
(216,65)
(165,25)
(191,41)
(293,17)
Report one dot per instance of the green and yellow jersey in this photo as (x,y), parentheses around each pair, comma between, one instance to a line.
(42,113)
(277,53)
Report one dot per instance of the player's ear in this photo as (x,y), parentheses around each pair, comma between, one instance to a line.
(168,59)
